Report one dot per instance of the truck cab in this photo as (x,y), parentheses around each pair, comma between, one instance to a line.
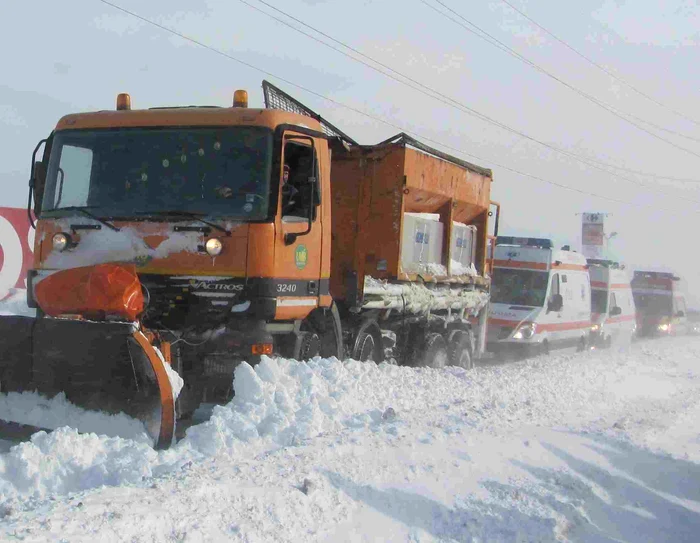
(540,299)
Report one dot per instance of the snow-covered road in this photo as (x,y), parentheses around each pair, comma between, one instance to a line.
(602,446)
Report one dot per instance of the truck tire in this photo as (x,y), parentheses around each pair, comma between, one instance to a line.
(368,343)
(459,349)
(326,323)
(308,345)
(365,347)
(434,353)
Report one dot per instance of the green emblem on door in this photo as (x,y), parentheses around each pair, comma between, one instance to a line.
(301,255)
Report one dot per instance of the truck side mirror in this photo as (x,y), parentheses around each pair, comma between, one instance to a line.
(39,184)
(615,311)
(556,303)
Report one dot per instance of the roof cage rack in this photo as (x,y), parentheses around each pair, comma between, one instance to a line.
(404,139)
(276,98)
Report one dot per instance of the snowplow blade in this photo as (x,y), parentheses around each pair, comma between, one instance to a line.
(107,367)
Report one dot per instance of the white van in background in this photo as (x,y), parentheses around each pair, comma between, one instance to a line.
(612,304)
(540,298)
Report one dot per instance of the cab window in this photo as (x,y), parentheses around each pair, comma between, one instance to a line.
(299,195)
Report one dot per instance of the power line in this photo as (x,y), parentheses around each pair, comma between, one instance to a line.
(364,113)
(451,102)
(500,45)
(441,97)
(601,67)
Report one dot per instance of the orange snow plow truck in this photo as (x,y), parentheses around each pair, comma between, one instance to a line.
(186,240)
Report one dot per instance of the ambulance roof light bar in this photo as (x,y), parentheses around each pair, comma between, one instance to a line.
(540,243)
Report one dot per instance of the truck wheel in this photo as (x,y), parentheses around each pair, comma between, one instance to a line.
(459,349)
(368,343)
(434,353)
(365,347)
(308,345)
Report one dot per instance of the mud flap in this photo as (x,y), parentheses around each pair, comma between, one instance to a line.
(109,367)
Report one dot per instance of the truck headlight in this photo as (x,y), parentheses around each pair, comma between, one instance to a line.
(595,327)
(664,327)
(213,246)
(61,241)
(525,331)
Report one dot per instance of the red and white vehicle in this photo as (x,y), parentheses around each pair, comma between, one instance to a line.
(16,249)
(612,304)
(540,298)
(661,305)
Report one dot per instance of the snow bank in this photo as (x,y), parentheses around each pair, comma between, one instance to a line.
(278,403)
(283,403)
(16,304)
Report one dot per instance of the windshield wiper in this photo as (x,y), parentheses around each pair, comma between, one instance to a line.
(84,211)
(186,214)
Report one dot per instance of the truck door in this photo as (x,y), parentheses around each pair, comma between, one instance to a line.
(299,228)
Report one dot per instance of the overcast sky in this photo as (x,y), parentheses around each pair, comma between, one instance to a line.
(76,55)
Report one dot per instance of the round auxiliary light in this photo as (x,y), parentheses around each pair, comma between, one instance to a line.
(213,246)
(61,241)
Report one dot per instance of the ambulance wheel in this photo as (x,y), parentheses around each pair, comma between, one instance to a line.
(581,347)
(544,348)
(459,349)
(434,353)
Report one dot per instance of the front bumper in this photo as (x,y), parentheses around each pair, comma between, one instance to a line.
(514,348)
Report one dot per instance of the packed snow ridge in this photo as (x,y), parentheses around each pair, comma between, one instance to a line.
(600,446)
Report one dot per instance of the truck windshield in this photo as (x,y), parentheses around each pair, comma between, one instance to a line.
(519,287)
(653,304)
(217,172)
(599,301)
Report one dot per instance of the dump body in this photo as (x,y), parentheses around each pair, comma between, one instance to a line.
(380,193)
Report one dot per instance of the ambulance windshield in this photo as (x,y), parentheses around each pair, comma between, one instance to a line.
(519,287)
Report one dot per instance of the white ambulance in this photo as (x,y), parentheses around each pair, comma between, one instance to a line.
(612,304)
(540,298)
